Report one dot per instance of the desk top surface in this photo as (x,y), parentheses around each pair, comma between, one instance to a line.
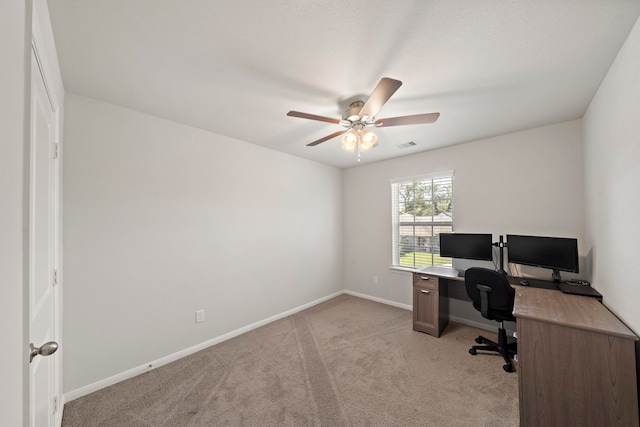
(446,272)
(452,274)
(554,306)
(568,310)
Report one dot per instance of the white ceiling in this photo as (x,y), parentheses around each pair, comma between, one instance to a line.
(235,67)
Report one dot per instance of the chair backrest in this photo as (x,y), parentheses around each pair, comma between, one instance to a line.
(501,295)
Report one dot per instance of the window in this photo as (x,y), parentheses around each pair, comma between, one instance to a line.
(422,208)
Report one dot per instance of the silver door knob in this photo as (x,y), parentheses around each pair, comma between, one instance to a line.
(45,349)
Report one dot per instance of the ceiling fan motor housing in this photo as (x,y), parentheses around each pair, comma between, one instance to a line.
(353,113)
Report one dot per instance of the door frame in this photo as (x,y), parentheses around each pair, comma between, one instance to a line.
(43,46)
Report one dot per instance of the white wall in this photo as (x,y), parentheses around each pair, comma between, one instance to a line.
(162,220)
(15,45)
(522,183)
(612,170)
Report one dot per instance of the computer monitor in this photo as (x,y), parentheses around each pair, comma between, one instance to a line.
(466,245)
(555,253)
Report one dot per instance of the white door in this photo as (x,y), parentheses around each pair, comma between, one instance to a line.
(42,252)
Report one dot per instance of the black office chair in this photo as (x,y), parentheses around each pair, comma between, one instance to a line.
(492,295)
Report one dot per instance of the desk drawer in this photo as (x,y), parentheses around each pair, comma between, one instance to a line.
(430,304)
(426,281)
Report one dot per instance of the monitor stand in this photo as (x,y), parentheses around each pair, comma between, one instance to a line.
(555,276)
(501,244)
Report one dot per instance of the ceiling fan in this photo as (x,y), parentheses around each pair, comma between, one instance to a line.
(361,115)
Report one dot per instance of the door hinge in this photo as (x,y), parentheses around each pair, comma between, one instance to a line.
(55,404)
(55,277)
(56,148)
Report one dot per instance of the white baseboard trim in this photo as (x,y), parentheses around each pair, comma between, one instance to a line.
(409,307)
(380,300)
(83,391)
(472,323)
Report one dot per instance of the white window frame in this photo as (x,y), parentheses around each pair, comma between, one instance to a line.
(422,222)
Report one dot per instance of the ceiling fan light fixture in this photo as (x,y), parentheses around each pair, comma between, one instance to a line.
(367,140)
(349,140)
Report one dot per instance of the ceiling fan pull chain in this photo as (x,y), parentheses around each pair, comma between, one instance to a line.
(358,144)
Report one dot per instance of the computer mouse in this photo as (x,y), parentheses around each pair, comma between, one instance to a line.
(524,282)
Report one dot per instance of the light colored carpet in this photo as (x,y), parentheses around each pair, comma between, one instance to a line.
(345,362)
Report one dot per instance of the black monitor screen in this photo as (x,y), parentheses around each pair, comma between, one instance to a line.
(556,253)
(466,245)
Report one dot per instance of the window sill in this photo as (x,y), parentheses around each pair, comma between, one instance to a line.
(403,269)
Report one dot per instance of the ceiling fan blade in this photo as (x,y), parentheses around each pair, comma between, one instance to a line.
(380,95)
(326,138)
(313,117)
(417,119)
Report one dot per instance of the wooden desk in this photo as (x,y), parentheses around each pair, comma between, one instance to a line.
(576,362)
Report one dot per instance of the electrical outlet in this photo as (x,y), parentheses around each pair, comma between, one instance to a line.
(199,316)
(375,280)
